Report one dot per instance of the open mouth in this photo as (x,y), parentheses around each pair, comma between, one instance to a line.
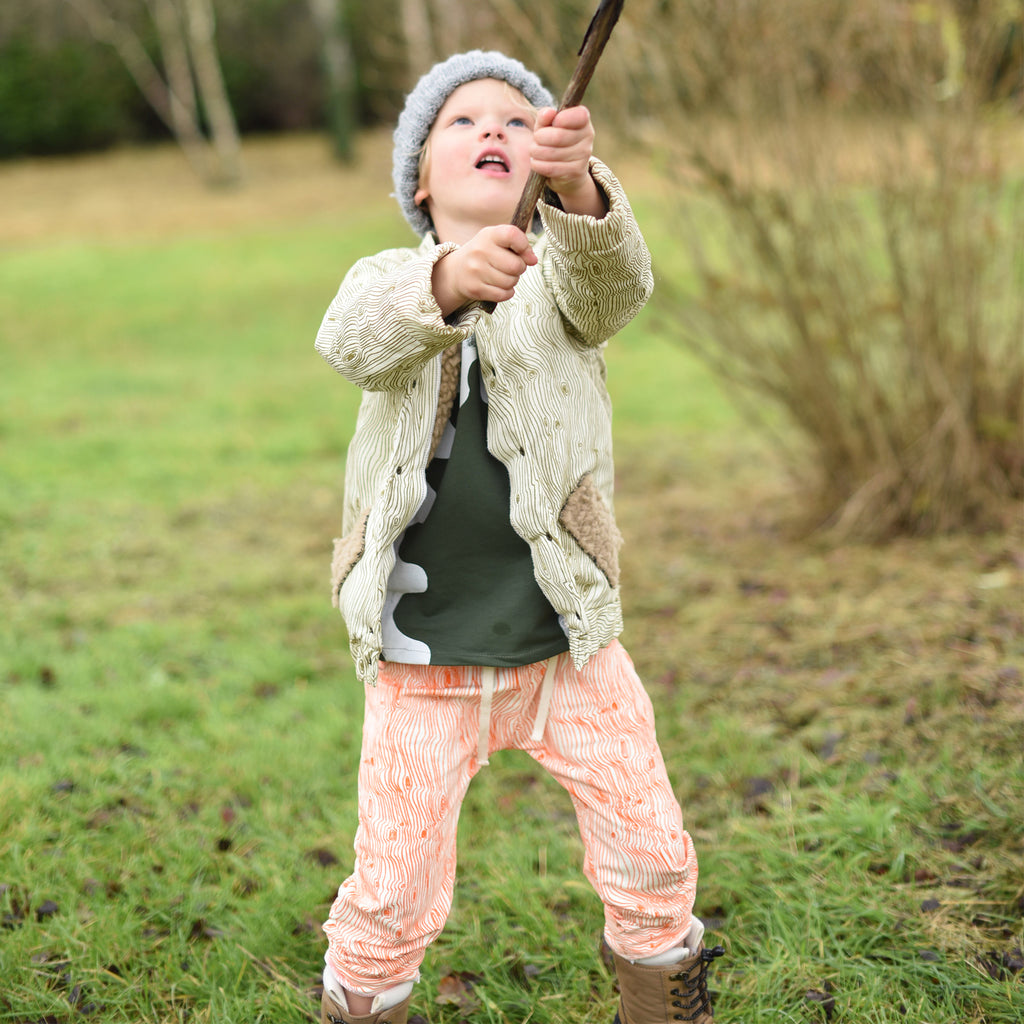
(492,160)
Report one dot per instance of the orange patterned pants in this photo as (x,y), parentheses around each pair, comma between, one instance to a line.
(427,730)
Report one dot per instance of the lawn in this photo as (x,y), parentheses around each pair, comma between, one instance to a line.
(180,721)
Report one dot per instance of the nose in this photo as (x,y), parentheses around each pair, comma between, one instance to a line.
(493,130)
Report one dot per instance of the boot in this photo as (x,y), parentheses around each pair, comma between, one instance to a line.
(661,995)
(332,1013)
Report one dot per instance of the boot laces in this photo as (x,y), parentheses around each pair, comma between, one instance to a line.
(695,987)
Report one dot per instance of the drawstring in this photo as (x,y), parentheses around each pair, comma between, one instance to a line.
(489,681)
(484,740)
(547,687)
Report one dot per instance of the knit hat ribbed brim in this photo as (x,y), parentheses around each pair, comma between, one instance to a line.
(425,101)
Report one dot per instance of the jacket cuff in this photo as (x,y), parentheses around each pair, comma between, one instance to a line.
(463,320)
(579,231)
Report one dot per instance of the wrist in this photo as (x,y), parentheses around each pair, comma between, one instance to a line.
(443,278)
(581,196)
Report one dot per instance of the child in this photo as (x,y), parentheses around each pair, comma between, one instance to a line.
(478,575)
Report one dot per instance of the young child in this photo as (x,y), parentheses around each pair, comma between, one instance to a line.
(478,575)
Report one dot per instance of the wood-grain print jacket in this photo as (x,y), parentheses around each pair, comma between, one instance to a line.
(549,414)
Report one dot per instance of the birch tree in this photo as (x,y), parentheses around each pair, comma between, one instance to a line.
(188,85)
(419,36)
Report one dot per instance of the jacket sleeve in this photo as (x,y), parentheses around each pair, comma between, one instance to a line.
(599,271)
(384,323)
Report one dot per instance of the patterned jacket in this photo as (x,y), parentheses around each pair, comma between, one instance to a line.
(549,414)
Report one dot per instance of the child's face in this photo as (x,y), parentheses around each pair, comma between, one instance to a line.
(478,158)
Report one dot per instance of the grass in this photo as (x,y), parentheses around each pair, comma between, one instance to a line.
(180,722)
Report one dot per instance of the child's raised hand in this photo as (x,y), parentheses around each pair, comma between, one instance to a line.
(563,142)
(487,268)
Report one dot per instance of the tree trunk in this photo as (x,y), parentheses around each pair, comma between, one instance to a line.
(223,130)
(181,92)
(339,71)
(451,26)
(419,41)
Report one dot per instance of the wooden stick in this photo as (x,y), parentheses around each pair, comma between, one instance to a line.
(598,31)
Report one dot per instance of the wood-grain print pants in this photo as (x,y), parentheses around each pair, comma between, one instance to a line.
(422,746)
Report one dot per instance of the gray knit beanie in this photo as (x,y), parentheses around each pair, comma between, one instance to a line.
(425,101)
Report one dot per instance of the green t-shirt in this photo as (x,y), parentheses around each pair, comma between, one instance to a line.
(463,591)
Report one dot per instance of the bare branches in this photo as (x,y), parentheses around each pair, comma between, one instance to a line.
(854,255)
(129,48)
(188,50)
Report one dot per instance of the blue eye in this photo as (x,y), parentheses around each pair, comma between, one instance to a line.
(518,122)
(462,120)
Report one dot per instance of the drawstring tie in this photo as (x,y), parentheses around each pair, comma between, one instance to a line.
(547,688)
(486,697)
(489,681)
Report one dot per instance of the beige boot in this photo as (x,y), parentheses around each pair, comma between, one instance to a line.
(389,1007)
(661,995)
(332,1013)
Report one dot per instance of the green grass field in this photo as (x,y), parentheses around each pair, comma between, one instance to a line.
(179,721)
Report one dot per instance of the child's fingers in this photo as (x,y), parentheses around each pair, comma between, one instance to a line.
(569,138)
(490,265)
(572,118)
(564,163)
(508,236)
(545,116)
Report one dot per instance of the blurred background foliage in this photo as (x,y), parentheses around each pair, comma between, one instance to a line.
(60,92)
(840,186)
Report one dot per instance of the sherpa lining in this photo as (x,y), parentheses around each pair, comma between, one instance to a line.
(451,364)
(586,516)
(347,551)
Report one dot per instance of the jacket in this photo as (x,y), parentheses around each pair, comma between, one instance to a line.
(549,413)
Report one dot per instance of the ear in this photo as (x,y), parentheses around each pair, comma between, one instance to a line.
(420,196)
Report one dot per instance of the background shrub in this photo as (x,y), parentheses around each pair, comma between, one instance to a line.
(855,270)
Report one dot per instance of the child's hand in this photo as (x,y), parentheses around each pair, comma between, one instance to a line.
(486,269)
(563,142)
